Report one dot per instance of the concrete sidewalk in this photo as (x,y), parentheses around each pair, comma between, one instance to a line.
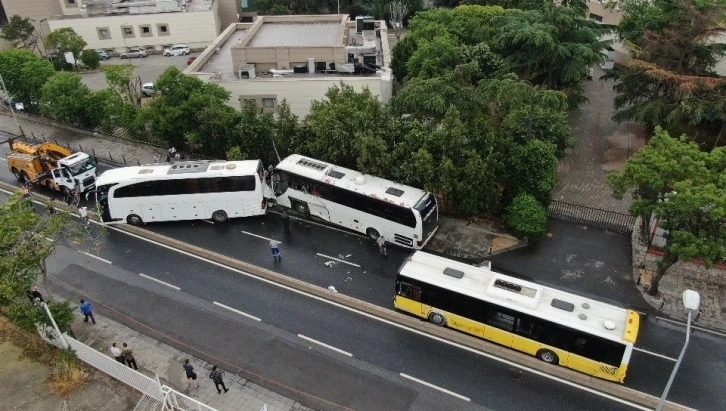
(156,358)
(469,240)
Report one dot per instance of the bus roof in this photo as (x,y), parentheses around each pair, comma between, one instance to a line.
(570,310)
(352,180)
(180,169)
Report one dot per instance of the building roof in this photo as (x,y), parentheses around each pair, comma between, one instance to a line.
(352,180)
(113,8)
(297,34)
(180,169)
(533,299)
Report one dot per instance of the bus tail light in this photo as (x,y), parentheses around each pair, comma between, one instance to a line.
(419,243)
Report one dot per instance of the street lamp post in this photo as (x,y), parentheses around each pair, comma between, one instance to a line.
(691,300)
(123,37)
(11,103)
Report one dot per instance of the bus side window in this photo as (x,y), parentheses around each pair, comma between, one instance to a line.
(410,291)
(283,183)
(529,327)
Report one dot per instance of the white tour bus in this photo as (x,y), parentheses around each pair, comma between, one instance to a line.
(190,190)
(405,216)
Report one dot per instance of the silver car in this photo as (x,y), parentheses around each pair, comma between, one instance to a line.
(134,52)
(148,90)
(177,50)
(102,54)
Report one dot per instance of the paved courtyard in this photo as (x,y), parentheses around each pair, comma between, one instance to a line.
(148,68)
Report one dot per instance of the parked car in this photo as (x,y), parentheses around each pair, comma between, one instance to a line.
(103,55)
(134,52)
(177,50)
(190,60)
(148,90)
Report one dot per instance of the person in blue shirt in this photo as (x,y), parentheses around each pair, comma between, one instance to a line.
(87,311)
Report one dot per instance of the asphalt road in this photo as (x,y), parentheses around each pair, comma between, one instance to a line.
(311,246)
(148,68)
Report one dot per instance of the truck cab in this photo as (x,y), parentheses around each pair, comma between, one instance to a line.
(78,169)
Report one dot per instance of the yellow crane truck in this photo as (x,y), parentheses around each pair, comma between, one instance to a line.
(51,165)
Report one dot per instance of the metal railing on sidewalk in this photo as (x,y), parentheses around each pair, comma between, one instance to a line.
(594,217)
(155,395)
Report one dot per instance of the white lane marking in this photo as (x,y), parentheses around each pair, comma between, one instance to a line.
(237,311)
(321,225)
(3,159)
(391,323)
(692,326)
(436,387)
(207,221)
(339,260)
(148,277)
(325,345)
(258,236)
(654,353)
(96,257)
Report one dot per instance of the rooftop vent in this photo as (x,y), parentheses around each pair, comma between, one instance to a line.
(305,162)
(394,192)
(563,305)
(335,174)
(453,272)
(189,167)
(146,171)
(609,325)
(515,288)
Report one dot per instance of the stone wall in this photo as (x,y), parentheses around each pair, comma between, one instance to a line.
(709,282)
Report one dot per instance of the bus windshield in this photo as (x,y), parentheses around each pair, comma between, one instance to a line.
(429,214)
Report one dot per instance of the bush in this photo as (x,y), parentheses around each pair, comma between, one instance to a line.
(90,59)
(527,217)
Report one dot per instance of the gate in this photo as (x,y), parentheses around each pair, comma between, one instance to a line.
(592,217)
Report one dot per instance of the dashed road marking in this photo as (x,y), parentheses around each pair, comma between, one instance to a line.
(325,345)
(436,387)
(692,326)
(96,257)
(654,354)
(234,310)
(148,277)
(258,236)
(339,260)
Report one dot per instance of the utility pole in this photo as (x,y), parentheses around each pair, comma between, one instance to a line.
(11,103)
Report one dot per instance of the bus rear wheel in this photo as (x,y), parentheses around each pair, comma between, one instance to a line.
(219,216)
(437,318)
(372,233)
(548,357)
(16,173)
(133,219)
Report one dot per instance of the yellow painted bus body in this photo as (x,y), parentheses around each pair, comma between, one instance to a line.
(526,345)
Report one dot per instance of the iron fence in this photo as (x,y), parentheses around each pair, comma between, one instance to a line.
(592,217)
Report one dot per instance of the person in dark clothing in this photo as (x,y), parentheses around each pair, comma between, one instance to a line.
(117,354)
(191,375)
(216,376)
(286,222)
(34,295)
(128,354)
(87,311)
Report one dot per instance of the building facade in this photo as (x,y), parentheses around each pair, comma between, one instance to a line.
(297,59)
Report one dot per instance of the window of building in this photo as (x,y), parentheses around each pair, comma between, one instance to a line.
(145,30)
(128,32)
(596,17)
(246,101)
(71,3)
(268,102)
(162,29)
(103,33)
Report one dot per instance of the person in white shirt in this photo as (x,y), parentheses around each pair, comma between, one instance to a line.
(83,212)
(276,253)
(117,354)
(382,245)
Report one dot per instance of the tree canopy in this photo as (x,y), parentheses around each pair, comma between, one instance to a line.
(684,186)
(20,31)
(24,74)
(66,40)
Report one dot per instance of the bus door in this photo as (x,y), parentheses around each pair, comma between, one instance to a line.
(316,205)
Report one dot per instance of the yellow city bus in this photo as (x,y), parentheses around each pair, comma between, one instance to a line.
(557,327)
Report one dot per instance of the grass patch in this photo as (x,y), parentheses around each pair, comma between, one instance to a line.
(68,376)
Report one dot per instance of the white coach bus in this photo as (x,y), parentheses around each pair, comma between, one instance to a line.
(191,190)
(405,216)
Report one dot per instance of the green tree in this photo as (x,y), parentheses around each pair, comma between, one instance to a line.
(122,81)
(20,32)
(24,74)
(172,116)
(90,59)
(338,124)
(65,98)
(271,8)
(527,217)
(553,47)
(431,98)
(66,40)
(288,133)
(673,179)
(532,169)
(212,134)
(435,57)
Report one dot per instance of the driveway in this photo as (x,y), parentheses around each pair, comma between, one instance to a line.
(148,68)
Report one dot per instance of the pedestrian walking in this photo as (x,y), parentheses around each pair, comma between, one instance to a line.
(191,375)
(286,222)
(128,354)
(216,376)
(83,213)
(35,295)
(87,311)
(276,253)
(382,245)
(117,354)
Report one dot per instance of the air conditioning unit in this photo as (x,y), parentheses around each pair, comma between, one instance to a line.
(246,71)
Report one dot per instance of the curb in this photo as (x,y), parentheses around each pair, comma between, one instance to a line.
(402,319)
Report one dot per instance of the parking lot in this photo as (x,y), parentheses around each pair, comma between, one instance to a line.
(148,68)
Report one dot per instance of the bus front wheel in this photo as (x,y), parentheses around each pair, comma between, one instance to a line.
(372,233)
(133,219)
(437,318)
(548,357)
(302,208)
(219,216)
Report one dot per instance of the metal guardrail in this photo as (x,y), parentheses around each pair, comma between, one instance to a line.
(593,217)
